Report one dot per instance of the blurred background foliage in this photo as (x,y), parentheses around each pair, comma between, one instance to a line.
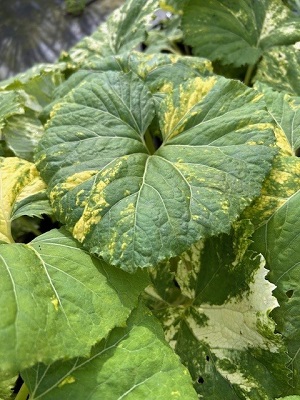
(34,31)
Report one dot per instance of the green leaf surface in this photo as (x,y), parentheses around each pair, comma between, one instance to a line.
(238,33)
(222,330)
(160,72)
(279,69)
(135,208)
(284,178)
(133,363)
(22,192)
(123,31)
(278,240)
(68,299)
(285,110)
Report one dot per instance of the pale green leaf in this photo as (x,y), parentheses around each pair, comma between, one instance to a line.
(22,133)
(39,82)
(11,103)
(222,329)
(29,92)
(6,386)
(22,192)
(238,33)
(133,363)
(57,301)
(279,68)
(289,398)
(123,31)
(135,208)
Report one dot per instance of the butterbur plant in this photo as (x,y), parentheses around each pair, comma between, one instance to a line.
(149,213)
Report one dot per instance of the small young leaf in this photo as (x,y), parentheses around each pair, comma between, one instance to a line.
(65,298)
(133,363)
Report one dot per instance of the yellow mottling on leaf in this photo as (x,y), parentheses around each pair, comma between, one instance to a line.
(55,302)
(168,7)
(69,379)
(78,178)
(282,141)
(190,94)
(257,98)
(282,183)
(167,87)
(19,179)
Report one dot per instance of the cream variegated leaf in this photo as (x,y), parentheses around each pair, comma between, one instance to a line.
(22,192)
(220,325)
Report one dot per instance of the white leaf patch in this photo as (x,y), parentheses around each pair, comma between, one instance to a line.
(240,322)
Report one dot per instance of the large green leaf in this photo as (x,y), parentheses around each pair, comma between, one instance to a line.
(238,32)
(123,31)
(57,301)
(221,327)
(135,208)
(133,363)
(279,68)
(22,192)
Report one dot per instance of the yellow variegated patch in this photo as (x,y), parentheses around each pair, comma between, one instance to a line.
(19,179)
(282,183)
(178,108)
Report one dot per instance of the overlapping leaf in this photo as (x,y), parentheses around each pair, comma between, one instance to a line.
(65,298)
(159,71)
(279,69)
(21,100)
(124,30)
(22,192)
(221,327)
(133,362)
(238,32)
(135,208)
(276,216)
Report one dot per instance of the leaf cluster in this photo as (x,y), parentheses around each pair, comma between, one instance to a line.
(162,152)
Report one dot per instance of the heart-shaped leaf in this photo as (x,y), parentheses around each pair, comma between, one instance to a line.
(65,298)
(135,208)
(133,363)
